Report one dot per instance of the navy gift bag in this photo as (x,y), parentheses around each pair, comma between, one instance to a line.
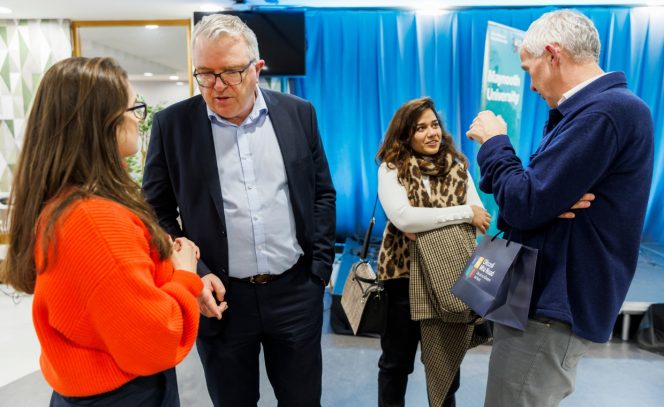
(498,281)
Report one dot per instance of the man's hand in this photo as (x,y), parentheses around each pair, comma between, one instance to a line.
(206,301)
(582,203)
(485,126)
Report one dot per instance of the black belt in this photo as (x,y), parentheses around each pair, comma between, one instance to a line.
(258,278)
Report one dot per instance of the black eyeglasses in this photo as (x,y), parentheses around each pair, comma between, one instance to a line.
(228,78)
(140,110)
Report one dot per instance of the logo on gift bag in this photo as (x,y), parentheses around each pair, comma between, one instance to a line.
(474,266)
(483,266)
(498,281)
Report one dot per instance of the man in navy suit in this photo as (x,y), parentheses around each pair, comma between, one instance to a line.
(245,171)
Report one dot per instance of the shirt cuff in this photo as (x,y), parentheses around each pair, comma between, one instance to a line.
(463,213)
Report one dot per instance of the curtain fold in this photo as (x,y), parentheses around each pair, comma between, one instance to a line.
(363,64)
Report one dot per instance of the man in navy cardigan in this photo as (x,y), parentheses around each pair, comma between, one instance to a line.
(243,168)
(598,139)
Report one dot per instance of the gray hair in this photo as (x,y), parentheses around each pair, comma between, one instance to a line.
(570,29)
(217,25)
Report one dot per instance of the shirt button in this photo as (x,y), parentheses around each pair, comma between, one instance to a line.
(250,187)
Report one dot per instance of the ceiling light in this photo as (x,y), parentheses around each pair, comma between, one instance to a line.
(179,83)
(5,10)
(431,11)
(174,77)
(147,74)
(152,26)
(211,7)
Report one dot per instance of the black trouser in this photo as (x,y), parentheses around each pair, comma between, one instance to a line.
(285,317)
(158,390)
(399,345)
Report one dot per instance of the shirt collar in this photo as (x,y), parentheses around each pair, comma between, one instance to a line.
(259,109)
(577,88)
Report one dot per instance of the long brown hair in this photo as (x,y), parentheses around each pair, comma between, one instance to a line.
(396,151)
(70,152)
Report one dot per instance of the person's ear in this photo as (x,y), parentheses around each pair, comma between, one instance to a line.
(259,66)
(552,52)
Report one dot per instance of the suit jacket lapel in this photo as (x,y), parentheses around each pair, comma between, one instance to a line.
(201,131)
(283,128)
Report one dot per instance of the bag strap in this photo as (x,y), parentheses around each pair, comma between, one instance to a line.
(363,253)
(496,235)
(366,280)
(367,235)
(508,238)
(374,285)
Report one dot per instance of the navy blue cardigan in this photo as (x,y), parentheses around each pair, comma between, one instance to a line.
(600,141)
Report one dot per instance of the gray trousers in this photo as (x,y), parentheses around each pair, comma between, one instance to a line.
(534,368)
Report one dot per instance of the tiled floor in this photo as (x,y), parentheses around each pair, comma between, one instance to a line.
(616,374)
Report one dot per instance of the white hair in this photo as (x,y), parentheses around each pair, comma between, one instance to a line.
(570,29)
(217,25)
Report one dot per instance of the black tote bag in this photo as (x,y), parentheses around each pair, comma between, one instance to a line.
(497,282)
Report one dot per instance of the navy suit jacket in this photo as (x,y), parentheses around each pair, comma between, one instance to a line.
(181,179)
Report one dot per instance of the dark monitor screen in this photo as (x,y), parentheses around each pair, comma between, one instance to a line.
(281,39)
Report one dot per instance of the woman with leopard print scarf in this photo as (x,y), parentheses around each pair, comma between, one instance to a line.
(423,185)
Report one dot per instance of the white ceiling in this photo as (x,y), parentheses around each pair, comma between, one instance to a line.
(177,9)
(166,54)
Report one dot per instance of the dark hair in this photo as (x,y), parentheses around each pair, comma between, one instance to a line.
(396,151)
(70,152)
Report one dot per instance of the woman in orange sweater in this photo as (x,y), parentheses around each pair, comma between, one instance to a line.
(115,300)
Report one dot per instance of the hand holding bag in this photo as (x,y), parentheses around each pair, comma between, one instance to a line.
(498,281)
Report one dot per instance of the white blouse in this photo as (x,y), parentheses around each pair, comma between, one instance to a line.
(394,199)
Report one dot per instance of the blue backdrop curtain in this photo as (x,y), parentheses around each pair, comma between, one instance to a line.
(363,64)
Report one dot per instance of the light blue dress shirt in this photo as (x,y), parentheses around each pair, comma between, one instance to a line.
(259,217)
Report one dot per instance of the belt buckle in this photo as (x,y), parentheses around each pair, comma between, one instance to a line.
(259,279)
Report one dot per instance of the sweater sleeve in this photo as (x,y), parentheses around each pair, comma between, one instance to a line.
(145,328)
(570,165)
(407,218)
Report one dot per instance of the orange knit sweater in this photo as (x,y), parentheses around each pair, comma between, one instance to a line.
(106,309)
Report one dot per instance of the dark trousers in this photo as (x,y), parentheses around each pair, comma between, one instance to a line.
(285,317)
(158,390)
(399,345)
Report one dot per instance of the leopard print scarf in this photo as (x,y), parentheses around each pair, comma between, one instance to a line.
(447,182)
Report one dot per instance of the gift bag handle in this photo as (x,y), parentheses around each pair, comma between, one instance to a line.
(507,238)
